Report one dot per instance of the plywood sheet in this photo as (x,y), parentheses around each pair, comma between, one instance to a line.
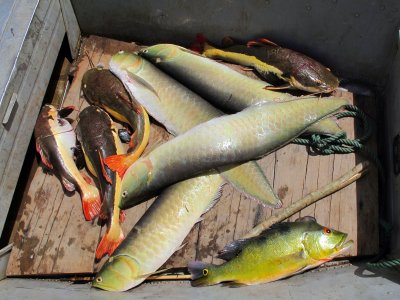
(52,237)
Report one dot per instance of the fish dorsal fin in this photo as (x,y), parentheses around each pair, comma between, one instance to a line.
(232,249)
(306,219)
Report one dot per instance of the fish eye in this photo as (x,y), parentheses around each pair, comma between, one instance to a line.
(99,279)
(327,231)
(124,194)
(205,272)
(144,51)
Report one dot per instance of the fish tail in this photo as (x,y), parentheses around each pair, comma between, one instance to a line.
(91,202)
(120,163)
(110,241)
(202,273)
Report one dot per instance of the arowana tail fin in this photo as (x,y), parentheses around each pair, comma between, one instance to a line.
(91,202)
(110,241)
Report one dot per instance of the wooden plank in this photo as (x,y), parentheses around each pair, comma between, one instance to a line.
(17,133)
(61,242)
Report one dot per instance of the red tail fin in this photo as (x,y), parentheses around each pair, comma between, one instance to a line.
(118,163)
(198,45)
(109,242)
(91,203)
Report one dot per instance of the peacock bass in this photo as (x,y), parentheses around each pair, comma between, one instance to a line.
(281,251)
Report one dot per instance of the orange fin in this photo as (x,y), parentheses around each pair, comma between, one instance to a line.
(122,216)
(117,163)
(109,243)
(43,157)
(107,178)
(246,69)
(272,88)
(253,44)
(198,45)
(267,42)
(87,179)
(91,207)
(132,143)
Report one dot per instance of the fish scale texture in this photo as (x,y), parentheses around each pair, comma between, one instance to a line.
(244,136)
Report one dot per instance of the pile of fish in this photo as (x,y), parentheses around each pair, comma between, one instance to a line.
(189,93)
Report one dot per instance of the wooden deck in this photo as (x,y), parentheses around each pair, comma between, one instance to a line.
(52,238)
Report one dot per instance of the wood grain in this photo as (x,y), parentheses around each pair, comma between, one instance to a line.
(52,237)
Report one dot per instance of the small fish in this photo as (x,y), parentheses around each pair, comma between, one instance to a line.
(55,142)
(266,57)
(221,85)
(279,252)
(105,90)
(222,141)
(99,139)
(159,233)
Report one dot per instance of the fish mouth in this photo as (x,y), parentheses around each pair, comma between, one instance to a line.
(342,246)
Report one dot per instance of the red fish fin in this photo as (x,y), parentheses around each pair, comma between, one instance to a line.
(87,179)
(198,45)
(246,69)
(227,41)
(272,88)
(109,242)
(122,216)
(66,111)
(107,178)
(253,44)
(43,157)
(117,163)
(69,186)
(267,42)
(91,203)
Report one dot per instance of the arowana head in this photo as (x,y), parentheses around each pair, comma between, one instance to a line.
(120,273)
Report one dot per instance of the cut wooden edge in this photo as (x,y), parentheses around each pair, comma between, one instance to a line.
(354,174)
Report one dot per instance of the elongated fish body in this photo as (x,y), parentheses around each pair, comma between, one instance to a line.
(99,139)
(218,83)
(55,142)
(299,70)
(103,89)
(159,233)
(223,141)
(179,110)
(284,250)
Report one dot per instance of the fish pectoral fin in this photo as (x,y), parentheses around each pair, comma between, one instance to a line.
(103,169)
(246,69)
(143,83)
(267,42)
(43,156)
(216,198)
(250,44)
(66,111)
(272,88)
(69,186)
(233,284)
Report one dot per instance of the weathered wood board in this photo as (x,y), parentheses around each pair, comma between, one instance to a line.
(52,238)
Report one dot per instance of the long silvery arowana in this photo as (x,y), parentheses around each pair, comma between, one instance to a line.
(218,83)
(223,141)
(179,109)
(159,233)
(55,142)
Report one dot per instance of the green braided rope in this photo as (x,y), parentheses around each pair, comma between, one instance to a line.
(384,264)
(339,143)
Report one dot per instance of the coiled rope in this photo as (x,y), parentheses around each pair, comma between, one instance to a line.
(339,143)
